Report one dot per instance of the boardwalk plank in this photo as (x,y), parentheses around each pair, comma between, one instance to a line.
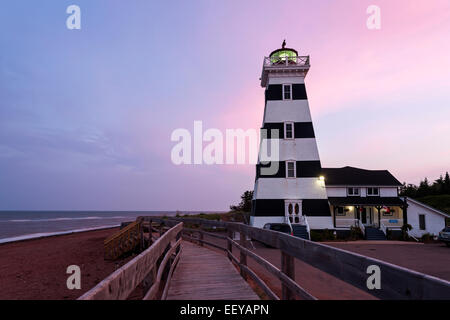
(203,274)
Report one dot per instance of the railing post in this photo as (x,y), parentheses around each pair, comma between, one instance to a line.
(149,279)
(150,233)
(229,244)
(243,256)
(200,237)
(288,268)
(178,236)
(141,234)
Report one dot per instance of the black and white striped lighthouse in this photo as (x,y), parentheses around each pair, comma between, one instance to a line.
(295,193)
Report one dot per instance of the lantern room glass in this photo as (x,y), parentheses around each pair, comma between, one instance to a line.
(280,56)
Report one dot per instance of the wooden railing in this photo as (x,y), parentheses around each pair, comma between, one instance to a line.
(126,240)
(396,282)
(346,223)
(361,226)
(153,268)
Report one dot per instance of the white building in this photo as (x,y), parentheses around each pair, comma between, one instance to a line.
(367,199)
(425,219)
(308,197)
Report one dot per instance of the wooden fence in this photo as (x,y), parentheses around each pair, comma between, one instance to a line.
(153,269)
(125,240)
(396,282)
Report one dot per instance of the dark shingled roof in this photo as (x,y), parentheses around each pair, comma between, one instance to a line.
(350,176)
(366,201)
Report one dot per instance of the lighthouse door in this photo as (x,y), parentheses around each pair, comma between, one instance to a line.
(293,211)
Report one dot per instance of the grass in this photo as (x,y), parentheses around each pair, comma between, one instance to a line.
(440,202)
(233,216)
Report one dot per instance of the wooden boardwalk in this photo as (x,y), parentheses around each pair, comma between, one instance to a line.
(203,274)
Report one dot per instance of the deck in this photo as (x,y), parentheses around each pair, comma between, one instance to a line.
(203,274)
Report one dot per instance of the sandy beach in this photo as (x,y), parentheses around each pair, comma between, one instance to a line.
(36,269)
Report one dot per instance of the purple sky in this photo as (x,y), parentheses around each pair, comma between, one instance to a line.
(86,115)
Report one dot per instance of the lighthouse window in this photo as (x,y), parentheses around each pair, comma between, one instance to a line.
(287,92)
(289,130)
(290,169)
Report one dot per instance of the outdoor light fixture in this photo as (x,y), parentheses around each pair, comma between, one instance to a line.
(321,181)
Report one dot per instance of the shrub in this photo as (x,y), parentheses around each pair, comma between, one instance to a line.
(329,234)
(405,229)
(427,237)
(389,234)
(315,235)
(355,233)
(322,235)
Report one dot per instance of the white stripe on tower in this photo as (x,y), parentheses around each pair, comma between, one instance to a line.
(281,111)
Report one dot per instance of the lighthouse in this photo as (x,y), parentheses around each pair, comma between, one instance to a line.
(295,193)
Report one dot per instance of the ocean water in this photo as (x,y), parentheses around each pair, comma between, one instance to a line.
(19,225)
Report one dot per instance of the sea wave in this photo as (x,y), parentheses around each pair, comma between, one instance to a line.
(50,234)
(63,219)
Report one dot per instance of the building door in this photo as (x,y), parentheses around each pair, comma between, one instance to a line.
(366,216)
(293,211)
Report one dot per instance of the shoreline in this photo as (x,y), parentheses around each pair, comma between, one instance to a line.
(112,224)
(45,235)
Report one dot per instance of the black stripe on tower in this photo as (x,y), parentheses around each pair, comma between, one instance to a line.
(275,208)
(301,129)
(305,169)
(275,92)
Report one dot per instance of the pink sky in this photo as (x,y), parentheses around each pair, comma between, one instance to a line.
(379,99)
(90,113)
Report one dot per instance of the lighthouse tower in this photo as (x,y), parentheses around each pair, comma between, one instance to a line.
(294,193)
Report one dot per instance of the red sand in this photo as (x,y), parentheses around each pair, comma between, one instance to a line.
(36,269)
(432,259)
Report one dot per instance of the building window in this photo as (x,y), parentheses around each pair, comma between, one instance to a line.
(290,169)
(353,191)
(289,130)
(373,191)
(388,211)
(287,92)
(340,211)
(422,224)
